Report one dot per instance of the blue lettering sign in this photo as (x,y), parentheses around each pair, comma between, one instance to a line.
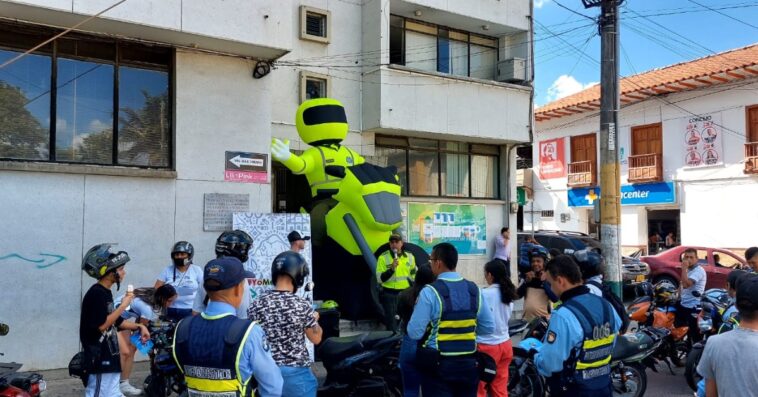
(645,194)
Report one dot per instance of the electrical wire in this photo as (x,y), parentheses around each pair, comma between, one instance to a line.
(724,14)
(573,11)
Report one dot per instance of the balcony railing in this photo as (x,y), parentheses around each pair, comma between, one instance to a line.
(751,158)
(582,174)
(645,168)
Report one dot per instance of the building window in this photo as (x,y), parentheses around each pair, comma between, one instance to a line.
(314,24)
(441,168)
(110,100)
(433,48)
(314,85)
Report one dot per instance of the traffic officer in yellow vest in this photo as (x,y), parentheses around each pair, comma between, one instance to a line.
(219,353)
(448,316)
(576,352)
(395,271)
(322,124)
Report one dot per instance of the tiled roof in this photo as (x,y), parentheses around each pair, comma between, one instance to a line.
(712,70)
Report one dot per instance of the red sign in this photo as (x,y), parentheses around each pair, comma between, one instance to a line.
(246,176)
(552,159)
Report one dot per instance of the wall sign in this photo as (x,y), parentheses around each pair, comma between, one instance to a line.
(552,159)
(645,194)
(246,167)
(702,140)
(218,210)
(463,225)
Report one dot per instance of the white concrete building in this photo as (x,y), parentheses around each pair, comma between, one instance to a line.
(687,137)
(150,98)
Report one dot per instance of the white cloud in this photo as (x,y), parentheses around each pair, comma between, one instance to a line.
(564,86)
(97,126)
(540,3)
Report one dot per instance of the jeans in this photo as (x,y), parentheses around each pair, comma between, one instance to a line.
(684,316)
(502,354)
(298,382)
(407,363)
(177,314)
(454,377)
(103,385)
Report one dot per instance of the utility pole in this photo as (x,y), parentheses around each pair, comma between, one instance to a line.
(610,175)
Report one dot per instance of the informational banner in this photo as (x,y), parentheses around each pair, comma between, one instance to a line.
(644,194)
(552,159)
(463,225)
(702,139)
(246,167)
(218,209)
(269,231)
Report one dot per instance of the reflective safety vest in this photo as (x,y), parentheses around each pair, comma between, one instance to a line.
(207,350)
(403,275)
(589,365)
(319,180)
(455,329)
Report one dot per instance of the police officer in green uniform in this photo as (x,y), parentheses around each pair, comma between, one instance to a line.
(576,353)
(448,316)
(219,353)
(395,271)
(322,124)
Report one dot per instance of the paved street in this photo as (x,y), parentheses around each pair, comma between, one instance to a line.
(662,384)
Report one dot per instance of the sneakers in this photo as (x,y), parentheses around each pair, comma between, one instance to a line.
(128,389)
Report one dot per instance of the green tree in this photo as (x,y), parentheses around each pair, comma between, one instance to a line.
(96,147)
(143,133)
(21,134)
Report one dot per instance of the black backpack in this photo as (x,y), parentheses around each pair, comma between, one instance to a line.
(616,302)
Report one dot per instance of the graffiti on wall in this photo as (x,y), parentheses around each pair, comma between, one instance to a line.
(42,261)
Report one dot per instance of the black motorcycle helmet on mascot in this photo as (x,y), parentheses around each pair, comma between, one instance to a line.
(291,264)
(235,243)
(100,261)
(590,262)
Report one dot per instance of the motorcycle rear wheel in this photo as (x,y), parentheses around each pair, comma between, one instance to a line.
(530,384)
(690,369)
(636,381)
(155,386)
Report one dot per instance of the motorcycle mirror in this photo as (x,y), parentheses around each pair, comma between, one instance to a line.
(4,329)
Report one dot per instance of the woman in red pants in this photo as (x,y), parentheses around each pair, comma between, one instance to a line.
(499,295)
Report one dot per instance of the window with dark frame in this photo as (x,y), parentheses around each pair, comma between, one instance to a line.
(434,48)
(111,100)
(315,24)
(315,88)
(441,168)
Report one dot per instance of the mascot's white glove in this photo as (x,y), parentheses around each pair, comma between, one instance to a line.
(280,150)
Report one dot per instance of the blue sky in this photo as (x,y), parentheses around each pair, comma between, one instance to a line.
(654,33)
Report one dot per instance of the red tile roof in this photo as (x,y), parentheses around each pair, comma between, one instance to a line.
(712,70)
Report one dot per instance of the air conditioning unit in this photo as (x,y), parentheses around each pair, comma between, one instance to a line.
(511,70)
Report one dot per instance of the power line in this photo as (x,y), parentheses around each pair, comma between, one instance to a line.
(573,11)
(724,14)
(42,44)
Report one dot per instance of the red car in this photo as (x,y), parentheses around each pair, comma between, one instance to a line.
(717,264)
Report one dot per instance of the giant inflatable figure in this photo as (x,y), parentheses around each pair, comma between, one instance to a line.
(355,206)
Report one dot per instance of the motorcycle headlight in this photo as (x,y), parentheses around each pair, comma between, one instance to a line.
(705,324)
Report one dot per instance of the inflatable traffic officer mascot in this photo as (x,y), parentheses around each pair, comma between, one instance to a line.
(321,123)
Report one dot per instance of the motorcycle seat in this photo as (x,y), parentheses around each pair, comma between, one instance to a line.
(337,348)
(628,345)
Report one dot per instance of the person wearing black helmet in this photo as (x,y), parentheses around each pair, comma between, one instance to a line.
(591,265)
(535,290)
(184,276)
(100,319)
(286,317)
(236,244)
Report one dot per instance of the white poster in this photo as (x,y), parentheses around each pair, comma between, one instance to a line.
(703,141)
(269,232)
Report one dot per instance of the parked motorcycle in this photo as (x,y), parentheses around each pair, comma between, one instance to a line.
(15,384)
(363,365)
(710,322)
(648,313)
(165,376)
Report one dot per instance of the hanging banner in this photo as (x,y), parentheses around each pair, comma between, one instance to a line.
(463,225)
(552,159)
(702,139)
